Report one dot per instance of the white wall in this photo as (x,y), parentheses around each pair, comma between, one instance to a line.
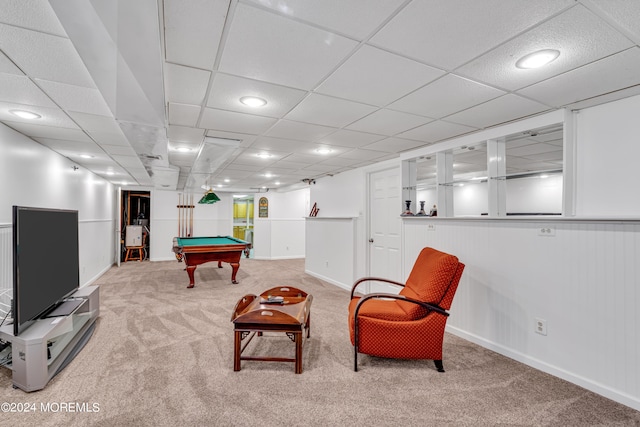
(281,235)
(33,175)
(208,220)
(607,152)
(583,281)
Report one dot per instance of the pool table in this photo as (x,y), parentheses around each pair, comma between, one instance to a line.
(198,250)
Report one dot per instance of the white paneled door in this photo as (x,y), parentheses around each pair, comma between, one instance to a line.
(384,228)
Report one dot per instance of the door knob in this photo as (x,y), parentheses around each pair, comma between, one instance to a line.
(370,240)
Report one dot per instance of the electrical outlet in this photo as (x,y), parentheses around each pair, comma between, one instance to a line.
(431,227)
(326,263)
(548,231)
(541,326)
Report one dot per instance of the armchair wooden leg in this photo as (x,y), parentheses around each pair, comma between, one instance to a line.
(439,366)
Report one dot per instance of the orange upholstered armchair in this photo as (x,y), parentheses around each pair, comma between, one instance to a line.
(408,325)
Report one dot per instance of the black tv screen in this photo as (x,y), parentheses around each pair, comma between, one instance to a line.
(45,261)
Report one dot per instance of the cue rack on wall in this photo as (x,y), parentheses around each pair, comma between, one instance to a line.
(185,215)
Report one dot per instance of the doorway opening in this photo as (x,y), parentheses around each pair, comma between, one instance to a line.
(135,214)
(243,219)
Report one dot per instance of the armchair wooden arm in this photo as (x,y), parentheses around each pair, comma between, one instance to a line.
(373,279)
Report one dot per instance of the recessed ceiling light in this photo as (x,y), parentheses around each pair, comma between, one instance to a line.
(324,151)
(268,175)
(537,59)
(86,156)
(25,114)
(277,182)
(110,173)
(263,155)
(253,101)
(227,180)
(183,149)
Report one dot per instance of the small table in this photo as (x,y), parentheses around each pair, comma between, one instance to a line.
(198,250)
(253,314)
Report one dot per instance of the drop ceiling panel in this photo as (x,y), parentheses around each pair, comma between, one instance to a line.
(33,14)
(496,111)
(245,139)
(388,122)
(606,75)
(349,138)
(573,33)
(21,90)
(183,114)
(277,144)
(35,131)
(92,122)
(6,66)
(373,76)
(268,47)
(109,138)
(227,90)
(448,34)
(44,56)
(436,131)
(354,18)
(69,146)
(185,85)
(623,12)
(446,96)
(75,98)
(231,121)
(185,134)
(118,150)
(360,154)
(298,130)
(394,145)
(329,111)
(48,116)
(202,21)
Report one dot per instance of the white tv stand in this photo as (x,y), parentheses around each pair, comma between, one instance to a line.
(47,346)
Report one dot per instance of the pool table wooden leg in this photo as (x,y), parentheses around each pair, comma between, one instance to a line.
(190,270)
(234,270)
(219,264)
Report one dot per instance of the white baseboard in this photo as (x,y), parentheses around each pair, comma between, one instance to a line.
(327,279)
(586,383)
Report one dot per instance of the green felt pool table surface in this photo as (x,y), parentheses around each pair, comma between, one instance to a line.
(209,241)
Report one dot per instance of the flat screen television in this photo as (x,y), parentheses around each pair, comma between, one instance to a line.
(45,262)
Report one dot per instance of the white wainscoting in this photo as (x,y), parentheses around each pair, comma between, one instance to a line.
(581,277)
(6,268)
(281,238)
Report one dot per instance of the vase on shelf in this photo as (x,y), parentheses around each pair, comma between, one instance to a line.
(422,212)
(407,211)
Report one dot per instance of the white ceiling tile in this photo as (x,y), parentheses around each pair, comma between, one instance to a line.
(350,138)
(606,75)
(48,116)
(129,163)
(329,111)
(496,111)
(183,114)
(202,21)
(185,85)
(6,66)
(376,77)
(44,56)
(75,98)
(50,132)
(70,146)
(118,150)
(447,34)
(394,145)
(33,14)
(185,134)
(354,18)
(624,13)
(245,139)
(227,90)
(21,90)
(388,122)
(268,47)
(231,121)
(360,154)
(573,33)
(445,96)
(277,144)
(298,130)
(92,122)
(109,138)
(436,131)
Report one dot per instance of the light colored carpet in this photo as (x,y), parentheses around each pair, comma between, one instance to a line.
(161,355)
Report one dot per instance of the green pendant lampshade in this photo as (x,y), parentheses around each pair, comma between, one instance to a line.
(209,198)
